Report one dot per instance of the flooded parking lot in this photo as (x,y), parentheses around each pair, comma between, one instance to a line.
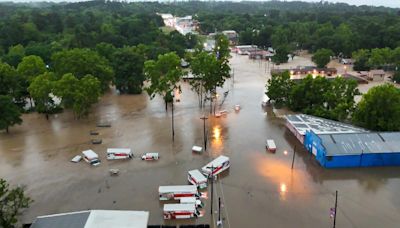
(259,190)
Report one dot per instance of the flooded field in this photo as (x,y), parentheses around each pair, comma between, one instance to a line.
(259,190)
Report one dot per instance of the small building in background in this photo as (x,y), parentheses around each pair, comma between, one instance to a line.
(347,61)
(232,36)
(376,75)
(302,72)
(355,76)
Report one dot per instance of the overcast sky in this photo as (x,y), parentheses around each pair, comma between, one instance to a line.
(388,3)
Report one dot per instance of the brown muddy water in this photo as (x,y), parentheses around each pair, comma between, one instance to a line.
(259,190)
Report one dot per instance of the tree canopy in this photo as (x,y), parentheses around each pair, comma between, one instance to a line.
(322,57)
(332,99)
(379,109)
(128,63)
(12,201)
(10,113)
(81,62)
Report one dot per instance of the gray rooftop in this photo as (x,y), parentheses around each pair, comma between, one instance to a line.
(302,123)
(358,143)
(94,219)
(67,220)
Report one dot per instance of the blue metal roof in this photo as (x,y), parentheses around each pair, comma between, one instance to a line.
(361,143)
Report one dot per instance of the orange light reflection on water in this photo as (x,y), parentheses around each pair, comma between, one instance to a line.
(280,173)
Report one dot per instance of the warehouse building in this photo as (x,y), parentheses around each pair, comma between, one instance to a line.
(335,144)
(354,149)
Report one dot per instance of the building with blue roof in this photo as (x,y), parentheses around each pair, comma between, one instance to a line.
(337,145)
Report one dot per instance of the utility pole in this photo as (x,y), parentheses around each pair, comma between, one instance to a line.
(219,222)
(294,154)
(212,188)
(204,118)
(173,128)
(334,217)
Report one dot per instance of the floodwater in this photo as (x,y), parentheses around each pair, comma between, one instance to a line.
(259,190)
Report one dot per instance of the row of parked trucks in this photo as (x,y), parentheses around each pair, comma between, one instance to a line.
(92,157)
(188,195)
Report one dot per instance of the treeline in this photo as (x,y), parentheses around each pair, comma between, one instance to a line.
(378,110)
(65,56)
(328,98)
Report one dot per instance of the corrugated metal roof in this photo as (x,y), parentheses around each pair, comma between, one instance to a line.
(302,123)
(66,220)
(361,143)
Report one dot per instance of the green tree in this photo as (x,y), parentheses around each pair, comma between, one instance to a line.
(128,64)
(9,113)
(12,201)
(87,95)
(322,57)
(361,58)
(379,109)
(340,98)
(210,72)
(281,54)
(9,84)
(30,67)
(279,87)
(78,94)
(41,89)
(221,47)
(14,55)
(163,75)
(380,57)
(81,62)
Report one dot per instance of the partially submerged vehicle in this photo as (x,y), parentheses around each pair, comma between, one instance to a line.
(76,159)
(119,153)
(197,149)
(180,211)
(270,145)
(176,192)
(150,156)
(91,157)
(196,178)
(216,166)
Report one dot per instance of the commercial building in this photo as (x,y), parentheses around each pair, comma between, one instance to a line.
(94,219)
(335,144)
(354,149)
(302,72)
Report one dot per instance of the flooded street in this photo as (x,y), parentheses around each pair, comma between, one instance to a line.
(259,190)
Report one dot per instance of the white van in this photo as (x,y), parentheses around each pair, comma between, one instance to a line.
(197,149)
(270,144)
(216,166)
(150,156)
(195,177)
(91,157)
(119,153)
